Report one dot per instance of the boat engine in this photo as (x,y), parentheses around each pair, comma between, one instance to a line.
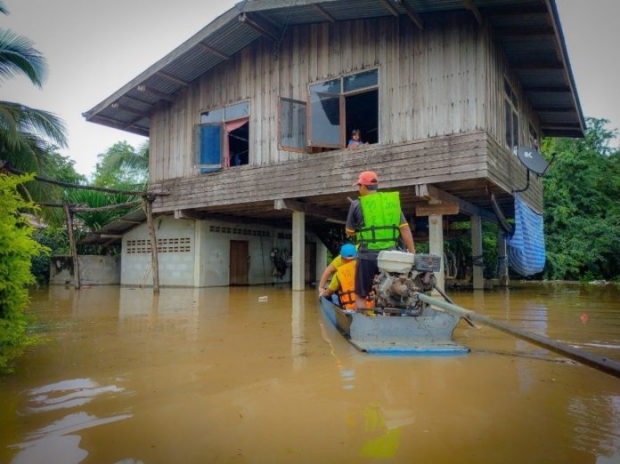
(400,276)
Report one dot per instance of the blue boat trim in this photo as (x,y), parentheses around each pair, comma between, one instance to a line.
(428,334)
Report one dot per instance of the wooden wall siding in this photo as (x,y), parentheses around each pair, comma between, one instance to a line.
(447,68)
(497,68)
(508,173)
(441,159)
(445,79)
(431,82)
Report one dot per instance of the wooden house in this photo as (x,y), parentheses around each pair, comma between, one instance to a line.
(248,119)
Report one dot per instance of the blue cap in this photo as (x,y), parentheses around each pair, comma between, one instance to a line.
(348,251)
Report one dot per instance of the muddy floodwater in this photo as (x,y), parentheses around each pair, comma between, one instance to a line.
(220,375)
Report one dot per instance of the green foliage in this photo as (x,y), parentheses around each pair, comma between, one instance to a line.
(28,136)
(122,166)
(17,248)
(56,240)
(93,220)
(460,247)
(18,56)
(582,210)
(89,221)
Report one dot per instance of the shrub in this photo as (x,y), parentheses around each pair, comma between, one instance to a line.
(17,248)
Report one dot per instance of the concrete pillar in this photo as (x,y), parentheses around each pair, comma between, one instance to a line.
(476,246)
(299,250)
(502,259)
(321,260)
(200,238)
(435,244)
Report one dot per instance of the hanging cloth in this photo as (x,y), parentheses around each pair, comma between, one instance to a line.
(231,126)
(526,246)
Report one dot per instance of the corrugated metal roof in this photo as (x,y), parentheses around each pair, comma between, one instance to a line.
(112,233)
(529,31)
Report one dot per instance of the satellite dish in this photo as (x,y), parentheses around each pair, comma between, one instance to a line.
(533,160)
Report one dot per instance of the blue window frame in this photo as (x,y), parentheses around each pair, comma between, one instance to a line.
(212,138)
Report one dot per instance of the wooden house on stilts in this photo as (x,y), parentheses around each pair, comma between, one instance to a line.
(248,121)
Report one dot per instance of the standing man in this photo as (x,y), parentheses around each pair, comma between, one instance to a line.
(376,220)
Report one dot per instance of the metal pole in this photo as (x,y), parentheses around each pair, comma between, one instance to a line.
(597,362)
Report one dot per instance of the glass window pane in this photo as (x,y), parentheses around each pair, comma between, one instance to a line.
(210,152)
(216,115)
(331,87)
(515,129)
(361,80)
(508,125)
(325,118)
(533,137)
(237,111)
(292,123)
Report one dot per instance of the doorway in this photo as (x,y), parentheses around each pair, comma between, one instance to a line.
(239,263)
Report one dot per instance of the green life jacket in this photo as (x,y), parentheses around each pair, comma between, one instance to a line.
(382,213)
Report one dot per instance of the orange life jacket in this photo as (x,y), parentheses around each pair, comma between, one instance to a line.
(346,278)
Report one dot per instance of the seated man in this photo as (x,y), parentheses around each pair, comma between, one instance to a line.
(333,266)
(343,282)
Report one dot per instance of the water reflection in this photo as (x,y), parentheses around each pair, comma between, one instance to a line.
(257,375)
(59,440)
(67,394)
(298,340)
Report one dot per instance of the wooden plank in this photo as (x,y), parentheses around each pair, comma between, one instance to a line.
(277,178)
(431,192)
(308,208)
(443,209)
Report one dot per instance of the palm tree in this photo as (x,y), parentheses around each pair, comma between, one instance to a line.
(27,135)
(123,166)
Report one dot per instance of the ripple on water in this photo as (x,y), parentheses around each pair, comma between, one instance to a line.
(57,441)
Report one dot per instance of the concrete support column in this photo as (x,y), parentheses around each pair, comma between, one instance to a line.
(502,259)
(435,244)
(476,246)
(299,250)
(200,237)
(321,260)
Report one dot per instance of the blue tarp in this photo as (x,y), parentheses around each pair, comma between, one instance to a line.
(526,246)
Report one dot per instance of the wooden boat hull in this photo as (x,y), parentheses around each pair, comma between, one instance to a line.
(426,334)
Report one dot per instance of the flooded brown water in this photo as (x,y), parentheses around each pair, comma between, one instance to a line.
(215,376)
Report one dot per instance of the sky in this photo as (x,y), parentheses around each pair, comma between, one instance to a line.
(95,47)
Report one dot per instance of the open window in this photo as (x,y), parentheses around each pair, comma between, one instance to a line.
(334,108)
(292,124)
(222,138)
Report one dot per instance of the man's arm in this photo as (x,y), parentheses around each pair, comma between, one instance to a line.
(352,220)
(407,236)
(329,270)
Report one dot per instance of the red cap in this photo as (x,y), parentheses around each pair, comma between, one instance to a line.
(367,178)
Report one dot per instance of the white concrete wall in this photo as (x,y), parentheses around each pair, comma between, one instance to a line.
(203,257)
(175,241)
(94,270)
(261,241)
